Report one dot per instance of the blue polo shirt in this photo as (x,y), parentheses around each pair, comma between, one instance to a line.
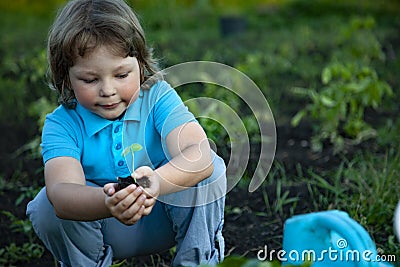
(98,143)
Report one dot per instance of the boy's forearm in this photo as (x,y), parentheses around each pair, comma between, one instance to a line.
(78,202)
(185,170)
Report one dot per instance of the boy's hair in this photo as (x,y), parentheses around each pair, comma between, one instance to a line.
(83,25)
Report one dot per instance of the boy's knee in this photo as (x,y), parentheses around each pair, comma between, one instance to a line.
(41,213)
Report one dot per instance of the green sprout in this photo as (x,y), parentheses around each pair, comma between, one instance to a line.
(135,147)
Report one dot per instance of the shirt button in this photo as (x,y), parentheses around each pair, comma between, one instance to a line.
(120,163)
(116,130)
(118,146)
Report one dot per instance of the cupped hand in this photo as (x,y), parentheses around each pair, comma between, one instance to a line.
(127,205)
(151,192)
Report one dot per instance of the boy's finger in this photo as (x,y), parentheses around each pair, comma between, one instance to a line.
(122,194)
(147,210)
(110,188)
(134,208)
(137,216)
(149,202)
(130,198)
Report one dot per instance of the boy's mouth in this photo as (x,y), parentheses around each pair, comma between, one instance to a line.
(109,106)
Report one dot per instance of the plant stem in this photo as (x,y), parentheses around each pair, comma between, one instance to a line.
(133,164)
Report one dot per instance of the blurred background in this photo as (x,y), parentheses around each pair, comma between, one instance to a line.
(329,69)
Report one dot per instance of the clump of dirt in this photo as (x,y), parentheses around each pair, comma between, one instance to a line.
(123,182)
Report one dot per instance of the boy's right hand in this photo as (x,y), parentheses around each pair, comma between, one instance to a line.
(127,205)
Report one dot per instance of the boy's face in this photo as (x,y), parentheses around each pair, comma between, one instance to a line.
(105,83)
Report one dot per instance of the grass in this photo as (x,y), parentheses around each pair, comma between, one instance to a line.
(367,188)
(282,202)
(373,193)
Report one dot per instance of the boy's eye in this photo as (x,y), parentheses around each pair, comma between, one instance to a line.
(122,76)
(88,80)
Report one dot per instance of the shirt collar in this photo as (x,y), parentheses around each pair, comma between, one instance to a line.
(133,113)
(94,123)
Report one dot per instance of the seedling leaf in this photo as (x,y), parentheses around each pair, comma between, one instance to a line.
(136,147)
(126,151)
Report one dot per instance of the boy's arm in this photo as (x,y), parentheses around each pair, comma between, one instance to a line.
(67,191)
(191,159)
(73,200)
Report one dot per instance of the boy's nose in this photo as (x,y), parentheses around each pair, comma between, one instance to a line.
(107,89)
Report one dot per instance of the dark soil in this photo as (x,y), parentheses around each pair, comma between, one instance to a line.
(247,228)
(126,181)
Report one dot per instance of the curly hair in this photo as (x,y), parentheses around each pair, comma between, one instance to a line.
(83,25)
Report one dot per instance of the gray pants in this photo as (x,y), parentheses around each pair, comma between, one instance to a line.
(195,230)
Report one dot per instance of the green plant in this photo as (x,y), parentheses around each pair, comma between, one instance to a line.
(340,105)
(4,185)
(25,74)
(387,135)
(118,263)
(280,182)
(13,253)
(132,149)
(27,192)
(327,193)
(359,41)
(126,181)
(38,110)
(20,226)
(372,195)
(283,199)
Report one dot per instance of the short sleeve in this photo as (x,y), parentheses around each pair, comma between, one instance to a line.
(169,110)
(59,137)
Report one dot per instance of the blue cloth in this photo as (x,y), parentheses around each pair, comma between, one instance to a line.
(83,135)
(330,239)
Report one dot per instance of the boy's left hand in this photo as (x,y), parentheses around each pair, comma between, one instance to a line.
(153,191)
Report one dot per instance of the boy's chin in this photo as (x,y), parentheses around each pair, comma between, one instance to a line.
(111,114)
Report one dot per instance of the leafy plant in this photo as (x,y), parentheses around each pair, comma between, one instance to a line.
(20,226)
(135,147)
(26,76)
(387,135)
(340,105)
(27,192)
(38,110)
(13,253)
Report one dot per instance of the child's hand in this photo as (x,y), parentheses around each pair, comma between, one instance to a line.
(127,205)
(151,192)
